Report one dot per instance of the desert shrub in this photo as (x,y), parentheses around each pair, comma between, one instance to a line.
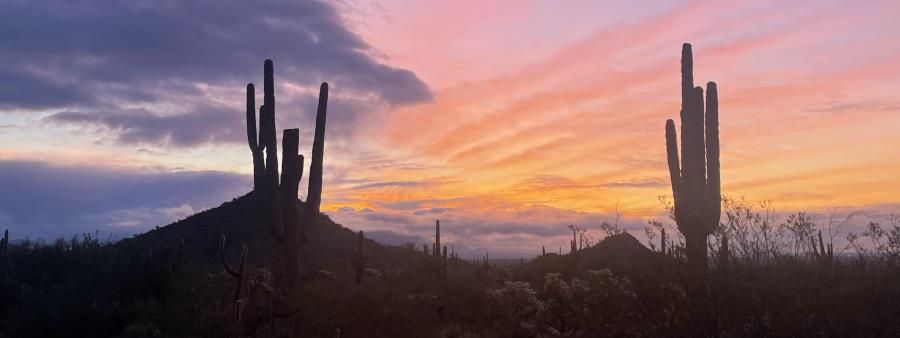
(516,309)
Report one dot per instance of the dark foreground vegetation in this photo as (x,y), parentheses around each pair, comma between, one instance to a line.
(152,286)
(268,265)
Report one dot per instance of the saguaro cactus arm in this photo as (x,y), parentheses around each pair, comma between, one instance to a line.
(713,181)
(314,194)
(251,118)
(672,154)
(267,131)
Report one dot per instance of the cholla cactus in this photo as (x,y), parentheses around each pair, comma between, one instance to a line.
(518,309)
(608,303)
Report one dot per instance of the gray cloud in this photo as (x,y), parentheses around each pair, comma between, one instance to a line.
(838,107)
(431,211)
(96,58)
(141,126)
(43,200)
(388,184)
(636,183)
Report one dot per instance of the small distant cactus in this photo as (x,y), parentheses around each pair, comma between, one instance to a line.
(4,243)
(824,255)
(444,267)
(360,258)
(437,238)
(724,254)
(237,274)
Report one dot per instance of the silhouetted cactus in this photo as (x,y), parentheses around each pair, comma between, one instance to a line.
(277,196)
(695,179)
(4,243)
(824,255)
(259,167)
(724,253)
(437,239)
(237,274)
(662,240)
(574,244)
(267,124)
(444,268)
(359,257)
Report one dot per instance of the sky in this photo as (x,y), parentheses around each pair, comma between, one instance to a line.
(506,120)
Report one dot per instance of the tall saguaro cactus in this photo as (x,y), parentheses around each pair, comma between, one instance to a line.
(695,179)
(278,195)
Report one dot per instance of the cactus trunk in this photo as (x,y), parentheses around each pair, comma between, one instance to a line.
(314,192)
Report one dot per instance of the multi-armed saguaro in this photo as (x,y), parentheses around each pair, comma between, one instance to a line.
(695,179)
(278,200)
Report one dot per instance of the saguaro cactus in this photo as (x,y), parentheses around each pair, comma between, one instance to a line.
(444,267)
(4,243)
(359,257)
(662,241)
(695,179)
(276,196)
(237,274)
(437,239)
(824,255)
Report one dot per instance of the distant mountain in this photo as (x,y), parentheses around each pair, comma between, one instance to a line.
(622,254)
(330,246)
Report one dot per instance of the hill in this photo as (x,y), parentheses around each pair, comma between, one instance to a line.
(330,246)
